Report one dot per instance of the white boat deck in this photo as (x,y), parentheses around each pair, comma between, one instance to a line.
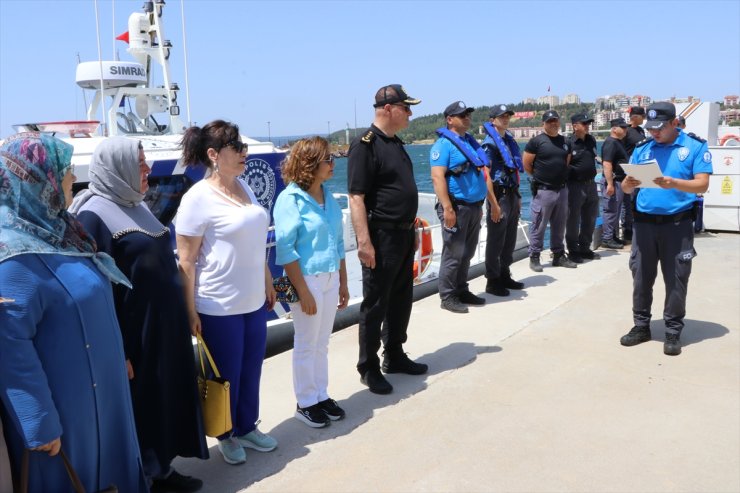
(528,393)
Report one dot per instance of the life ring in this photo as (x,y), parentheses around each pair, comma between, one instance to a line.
(728,137)
(422,225)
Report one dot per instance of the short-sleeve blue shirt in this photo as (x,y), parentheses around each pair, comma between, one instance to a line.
(683,159)
(469,186)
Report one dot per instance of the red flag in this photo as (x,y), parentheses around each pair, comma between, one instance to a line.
(548,87)
(123,37)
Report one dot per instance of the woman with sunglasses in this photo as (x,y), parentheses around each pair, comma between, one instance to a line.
(222,247)
(310,245)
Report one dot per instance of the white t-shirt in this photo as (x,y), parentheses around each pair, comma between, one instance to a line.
(230,269)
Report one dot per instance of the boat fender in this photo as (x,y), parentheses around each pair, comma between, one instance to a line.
(696,137)
(422,227)
(368,137)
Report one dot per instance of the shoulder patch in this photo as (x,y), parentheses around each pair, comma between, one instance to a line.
(368,137)
(643,142)
(696,137)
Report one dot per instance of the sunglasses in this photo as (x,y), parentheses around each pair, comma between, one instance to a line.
(237,145)
(329,160)
(406,107)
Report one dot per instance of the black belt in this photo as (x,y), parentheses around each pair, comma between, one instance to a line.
(585,180)
(374,224)
(463,202)
(642,217)
(543,186)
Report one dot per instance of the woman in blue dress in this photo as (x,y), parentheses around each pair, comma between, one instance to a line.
(63,378)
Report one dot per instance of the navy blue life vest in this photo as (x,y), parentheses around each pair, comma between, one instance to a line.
(479,159)
(512,156)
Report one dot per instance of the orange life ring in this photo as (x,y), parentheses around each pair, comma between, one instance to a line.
(422,225)
(727,137)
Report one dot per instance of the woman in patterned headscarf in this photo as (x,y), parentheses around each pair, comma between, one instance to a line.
(63,381)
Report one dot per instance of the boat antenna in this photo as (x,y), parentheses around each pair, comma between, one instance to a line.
(113,21)
(185,52)
(84,94)
(100,62)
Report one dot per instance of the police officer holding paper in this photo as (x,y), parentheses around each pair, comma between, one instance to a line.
(457,162)
(383,200)
(663,227)
(546,158)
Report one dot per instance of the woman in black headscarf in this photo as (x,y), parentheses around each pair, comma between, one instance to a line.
(154,324)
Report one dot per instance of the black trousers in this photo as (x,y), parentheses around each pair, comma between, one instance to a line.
(670,245)
(387,296)
(501,236)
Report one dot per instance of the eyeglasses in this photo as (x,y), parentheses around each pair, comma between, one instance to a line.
(405,107)
(328,160)
(72,168)
(464,115)
(237,145)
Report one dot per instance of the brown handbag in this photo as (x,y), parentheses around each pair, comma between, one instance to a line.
(214,395)
(73,478)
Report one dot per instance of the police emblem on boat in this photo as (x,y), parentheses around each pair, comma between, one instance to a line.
(261,179)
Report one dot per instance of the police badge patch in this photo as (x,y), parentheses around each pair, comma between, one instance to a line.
(435,155)
(652,114)
(707,157)
(683,153)
(261,179)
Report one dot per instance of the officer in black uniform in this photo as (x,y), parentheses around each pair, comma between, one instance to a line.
(583,198)
(613,155)
(635,135)
(383,200)
(546,158)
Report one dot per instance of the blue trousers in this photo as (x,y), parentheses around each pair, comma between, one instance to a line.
(237,344)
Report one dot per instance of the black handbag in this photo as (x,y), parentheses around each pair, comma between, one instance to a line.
(284,290)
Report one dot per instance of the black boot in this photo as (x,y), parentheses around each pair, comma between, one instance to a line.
(508,282)
(534,263)
(495,287)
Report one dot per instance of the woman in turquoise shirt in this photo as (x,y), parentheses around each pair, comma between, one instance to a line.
(310,246)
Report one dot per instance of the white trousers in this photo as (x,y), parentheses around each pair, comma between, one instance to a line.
(311,340)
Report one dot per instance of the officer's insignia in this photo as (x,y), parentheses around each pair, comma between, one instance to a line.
(574,153)
(502,107)
(646,156)
(707,157)
(368,137)
(652,114)
(565,147)
(260,177)
(683,153)
(461,105)
(435,155)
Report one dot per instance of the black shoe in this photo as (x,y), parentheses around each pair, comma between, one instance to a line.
(376,382)
(496,287)
(314,416)
(636,336)
(619,240)
(575,257)
(589,254)
(177,482)
(508,282)
(534,263)
(454,305)
(672,344)
(402,364)
(470,299)
(611,244)
(562,260)
(331,409)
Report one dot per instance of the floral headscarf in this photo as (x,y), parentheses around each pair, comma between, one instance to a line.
(33,218)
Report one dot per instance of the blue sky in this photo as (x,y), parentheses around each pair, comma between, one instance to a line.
(301,64)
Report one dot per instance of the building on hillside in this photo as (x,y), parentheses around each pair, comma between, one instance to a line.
(732,100)
(571,99)
(729,116)
(529,101)
(549,100)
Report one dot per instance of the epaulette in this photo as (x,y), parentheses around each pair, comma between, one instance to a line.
(696,137)
(368,137)
(643,142)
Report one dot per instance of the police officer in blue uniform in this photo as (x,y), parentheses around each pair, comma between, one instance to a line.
(546,158)
(663,228)
(383,201)
(583,198)
(504,201)
(457,162)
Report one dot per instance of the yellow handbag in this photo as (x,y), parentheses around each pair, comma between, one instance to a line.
(214,396)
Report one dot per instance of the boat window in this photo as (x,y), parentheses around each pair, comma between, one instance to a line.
(164,195)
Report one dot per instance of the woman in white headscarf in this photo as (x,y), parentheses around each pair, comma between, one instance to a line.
(152,315)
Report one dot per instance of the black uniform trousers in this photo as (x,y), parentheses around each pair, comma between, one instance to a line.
(387,296)
(672,245)
(458,247)
(583,209)
(501,236)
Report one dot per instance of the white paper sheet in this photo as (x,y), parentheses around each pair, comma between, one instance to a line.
(645,172)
